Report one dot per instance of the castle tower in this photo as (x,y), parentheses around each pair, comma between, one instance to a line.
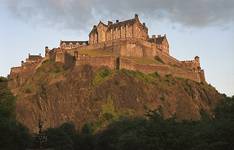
(197,63)
(46,50)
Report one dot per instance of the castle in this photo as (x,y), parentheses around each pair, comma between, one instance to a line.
(122,44)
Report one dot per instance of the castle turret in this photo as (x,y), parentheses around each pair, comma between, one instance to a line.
(46,50)
(136,16)
(197,59)
(197,63)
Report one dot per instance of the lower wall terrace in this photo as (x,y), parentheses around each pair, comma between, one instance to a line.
(124,63)
(108,61)
(161,69)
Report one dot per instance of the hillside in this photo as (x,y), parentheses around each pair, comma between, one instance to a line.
(85,94)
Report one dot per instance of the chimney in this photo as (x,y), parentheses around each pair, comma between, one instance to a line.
(117,21)
(136,16)
(153,36)
(47,50)
(197,58)
(110,22)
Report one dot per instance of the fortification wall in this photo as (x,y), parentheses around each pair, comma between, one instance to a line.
(131,65)
(51,54)
(162,70)
(167,59)
(60,56)
(202,75)
(108,61)
(19,75)
(187,74)
(15,70)
(138,48)
(127,64)
(131,49)
(121,49)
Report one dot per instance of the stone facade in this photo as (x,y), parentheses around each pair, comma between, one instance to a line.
(161,42)
(132,28)
(31,62)
(118,45)
(72,44)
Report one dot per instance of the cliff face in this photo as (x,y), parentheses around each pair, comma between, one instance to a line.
(85,94)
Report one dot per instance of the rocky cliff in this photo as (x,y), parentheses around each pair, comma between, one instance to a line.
(85,94)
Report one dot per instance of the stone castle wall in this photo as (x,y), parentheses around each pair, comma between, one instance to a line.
(162,70)
(15,70)
(126,63)
(124,50)
(107,61)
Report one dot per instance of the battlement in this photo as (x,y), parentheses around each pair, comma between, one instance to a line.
(27,66)
(72,44)
(193,64)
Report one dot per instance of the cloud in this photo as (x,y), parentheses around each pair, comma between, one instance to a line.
(77,14)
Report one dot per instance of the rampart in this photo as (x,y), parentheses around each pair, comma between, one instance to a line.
(162,69)
(108,61)
(126,63)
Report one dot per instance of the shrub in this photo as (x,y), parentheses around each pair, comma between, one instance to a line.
(101,75)
(158,59)
(148,78)
(28,88)
(155,75)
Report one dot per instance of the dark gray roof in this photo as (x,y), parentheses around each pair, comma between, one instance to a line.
(118,24)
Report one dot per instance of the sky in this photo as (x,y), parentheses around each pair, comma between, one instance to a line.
(193,27)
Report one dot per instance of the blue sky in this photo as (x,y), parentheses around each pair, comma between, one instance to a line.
(29,26)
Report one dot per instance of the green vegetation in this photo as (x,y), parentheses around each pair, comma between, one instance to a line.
(148,78)
(51,67)
(108,110)
(145,61)
(13,136)
(152,78)
(101,75)
(28,88)
(7,100)
(158,59)
(122,132)
(151,132)
(46,73)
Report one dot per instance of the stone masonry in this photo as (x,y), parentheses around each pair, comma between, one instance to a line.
(123,44)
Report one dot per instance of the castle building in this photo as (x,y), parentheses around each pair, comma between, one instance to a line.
(161,42)
(123,44)
(132,28)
